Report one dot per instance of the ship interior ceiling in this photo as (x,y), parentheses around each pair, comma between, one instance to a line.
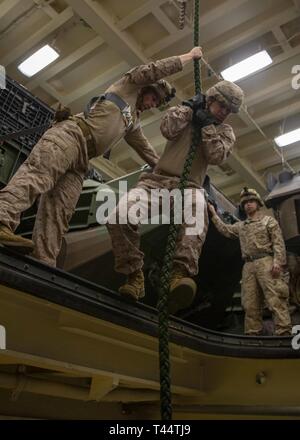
(77,303)
(99,40)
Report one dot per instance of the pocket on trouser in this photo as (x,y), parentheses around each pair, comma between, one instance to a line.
(62,149)
(243,300)
(282,288)
(47,156)
(249,292)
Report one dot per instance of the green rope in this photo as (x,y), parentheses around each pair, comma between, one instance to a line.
(182,12)
(163,312)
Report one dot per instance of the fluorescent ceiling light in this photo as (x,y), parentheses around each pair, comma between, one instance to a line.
(288,138)
(38,61)
(247,66)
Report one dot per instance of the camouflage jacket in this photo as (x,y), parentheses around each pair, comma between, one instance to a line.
(106,121)
(216,145)
(256,236)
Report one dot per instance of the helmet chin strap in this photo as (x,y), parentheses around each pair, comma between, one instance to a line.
(139,101)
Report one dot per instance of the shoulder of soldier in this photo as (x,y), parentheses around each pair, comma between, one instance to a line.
(241,223)
(223,126)
(269,220)
(181,111)
(226,129)
(118,85)
(130,72)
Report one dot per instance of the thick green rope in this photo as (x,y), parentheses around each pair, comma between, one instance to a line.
(163,312)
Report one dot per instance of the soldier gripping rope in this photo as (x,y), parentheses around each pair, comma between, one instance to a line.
(208,114)
(263,251)
(56,166)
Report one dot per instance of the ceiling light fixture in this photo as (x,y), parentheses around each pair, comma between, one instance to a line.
(288,138)
(247,66)
(38,61)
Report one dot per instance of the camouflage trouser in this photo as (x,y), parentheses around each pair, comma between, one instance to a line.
(54,169)
(258,286)
(125,237)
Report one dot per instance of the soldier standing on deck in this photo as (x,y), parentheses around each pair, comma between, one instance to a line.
(264,253)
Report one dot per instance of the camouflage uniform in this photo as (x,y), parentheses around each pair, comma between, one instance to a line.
(216,145)
(59,161)
(261,236)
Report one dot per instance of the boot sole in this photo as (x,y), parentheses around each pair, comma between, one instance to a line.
(182,296)
(129,295)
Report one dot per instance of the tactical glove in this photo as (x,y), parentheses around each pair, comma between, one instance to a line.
(196,102)
(202,118)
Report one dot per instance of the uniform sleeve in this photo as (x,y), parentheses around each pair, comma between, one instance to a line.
(217,143)
(277,241)
(152,72)
(229,231)
(138,141)
(175,120)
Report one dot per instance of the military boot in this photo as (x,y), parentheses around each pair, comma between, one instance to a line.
(134,287)
(182,290)
(8,238)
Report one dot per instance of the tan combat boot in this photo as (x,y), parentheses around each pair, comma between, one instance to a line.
(182,290)
(134,287)
(8,238)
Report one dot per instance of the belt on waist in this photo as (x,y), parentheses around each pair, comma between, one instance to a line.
(258,256)
(90,143)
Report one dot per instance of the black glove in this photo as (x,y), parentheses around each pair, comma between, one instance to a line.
(202,118)
(212,202)
(196,102)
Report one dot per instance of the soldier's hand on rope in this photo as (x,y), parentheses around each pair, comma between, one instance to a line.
(276,270)
(211,209)
(196,102)
(196,53)
(202,118)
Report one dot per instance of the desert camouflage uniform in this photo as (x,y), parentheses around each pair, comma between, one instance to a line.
(261,236)
(216,145)
(59,161)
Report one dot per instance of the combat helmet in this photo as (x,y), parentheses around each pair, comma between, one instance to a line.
(227,93)
(162,89)
(250,194)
